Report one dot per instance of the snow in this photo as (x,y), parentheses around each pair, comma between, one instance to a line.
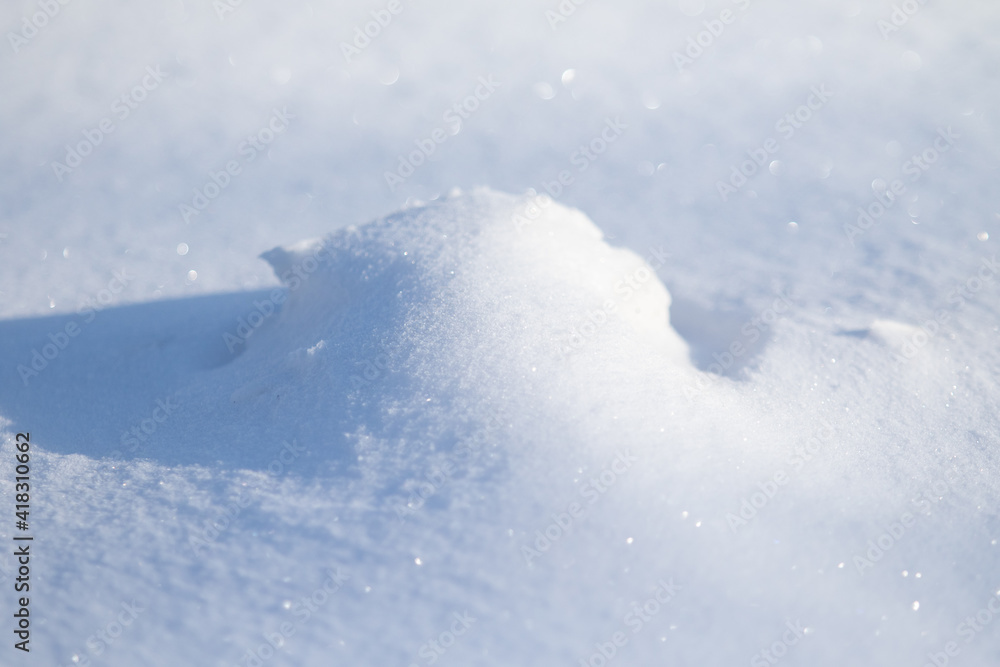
(571,385)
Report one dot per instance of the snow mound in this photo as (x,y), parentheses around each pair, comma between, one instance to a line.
(471,300)
(491,266)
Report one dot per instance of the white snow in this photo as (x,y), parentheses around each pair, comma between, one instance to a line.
(646,405)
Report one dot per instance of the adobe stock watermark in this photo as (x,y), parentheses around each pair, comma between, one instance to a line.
(562,12)
(203,537)
(895,531)
(453,115)
(900,16)
(107,636)
(968,629)
(31,27)
(593,320)
(591,490)
(751,507)
(438,477)
(967,291)
(60,340)
(786,125)
(887,195)
(780,647)
(220,180)
(751,331)
(363,35)
(959,296)
(246,326)
(294,278)
(223,8)
(372,370)
(122,108)
(433,649)
(714,28)
(303,611)
(584,156)
(133,438)
(636,619)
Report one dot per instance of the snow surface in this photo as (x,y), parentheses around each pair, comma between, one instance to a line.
(767,390)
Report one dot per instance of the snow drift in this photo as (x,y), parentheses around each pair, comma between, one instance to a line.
(467,432)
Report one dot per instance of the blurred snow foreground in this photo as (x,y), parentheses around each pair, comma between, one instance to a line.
(466,433)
